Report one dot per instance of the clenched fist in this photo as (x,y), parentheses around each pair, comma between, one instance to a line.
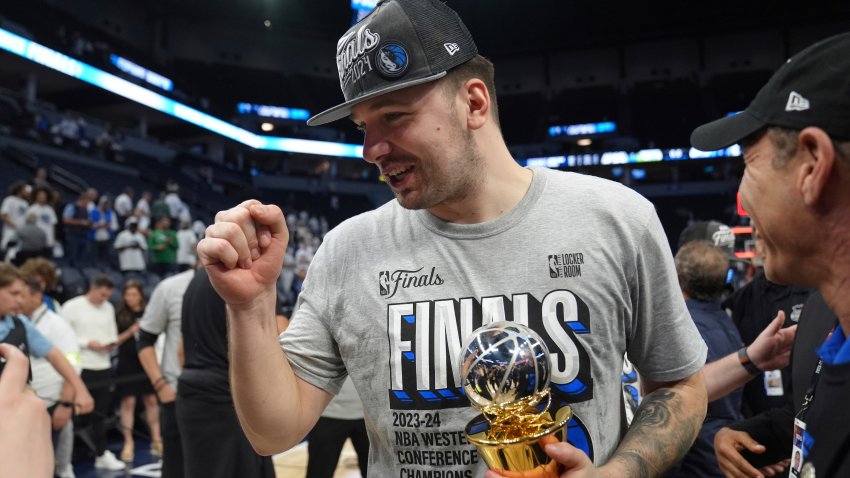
(243,252)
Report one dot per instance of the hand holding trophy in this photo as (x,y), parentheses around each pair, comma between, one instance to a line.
(505,373)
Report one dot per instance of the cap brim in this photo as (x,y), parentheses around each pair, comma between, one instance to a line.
(343,110)
(725,132)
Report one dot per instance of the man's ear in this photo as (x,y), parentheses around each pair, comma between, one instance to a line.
(817,154)
(477,103)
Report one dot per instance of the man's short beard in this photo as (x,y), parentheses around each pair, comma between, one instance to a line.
(458,186)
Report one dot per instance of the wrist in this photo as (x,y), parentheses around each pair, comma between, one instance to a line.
(261,305)
(747,363)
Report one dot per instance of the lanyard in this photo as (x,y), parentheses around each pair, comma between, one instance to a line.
(813,384)
(36,319)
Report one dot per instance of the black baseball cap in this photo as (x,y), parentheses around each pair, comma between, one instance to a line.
(400,43)
(715,232)
(810,89)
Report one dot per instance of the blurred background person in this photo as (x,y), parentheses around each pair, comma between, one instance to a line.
(342,420)
(31,241)
(162,246)
(186,241)
(57,393)
(132,247)
(45,272)
(45,214)
(130,376)
(76,222)
(13,210)
(92,317)
(104,224)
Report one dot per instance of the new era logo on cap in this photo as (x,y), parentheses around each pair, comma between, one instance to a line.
(452,48)
(796,102)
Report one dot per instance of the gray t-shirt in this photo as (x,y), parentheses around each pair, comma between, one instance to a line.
(392,294)
(163,315)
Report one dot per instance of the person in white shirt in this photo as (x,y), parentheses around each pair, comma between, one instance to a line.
(13,210)
(144,203)
(186,242)
(124,205)
(131,246)
(92,317)
(45,215)
(58,395)
(172,200)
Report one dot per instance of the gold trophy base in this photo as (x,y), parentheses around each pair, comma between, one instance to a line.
(522,457)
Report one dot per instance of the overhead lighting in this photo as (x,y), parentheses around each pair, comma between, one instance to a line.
(267,23)
(266,127)
(584,142)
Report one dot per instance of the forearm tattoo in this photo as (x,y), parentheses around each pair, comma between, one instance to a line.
(660,435)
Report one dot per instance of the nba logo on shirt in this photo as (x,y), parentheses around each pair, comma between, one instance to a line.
(384,282)
(553,266)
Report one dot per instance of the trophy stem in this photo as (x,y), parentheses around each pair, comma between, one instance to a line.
(523,453)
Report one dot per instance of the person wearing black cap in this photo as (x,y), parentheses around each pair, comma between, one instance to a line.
(471,238)
(796,140)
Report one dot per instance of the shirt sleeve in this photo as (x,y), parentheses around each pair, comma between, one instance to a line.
(69,312)
(664,342)
(39,344)
(67,342)
(121,240)
(308,344)
(155,318)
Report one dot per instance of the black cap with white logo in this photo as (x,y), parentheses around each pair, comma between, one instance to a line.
(810,89)
(715,232)
(400,43)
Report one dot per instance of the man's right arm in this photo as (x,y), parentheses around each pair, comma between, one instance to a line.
(260,375)
(243,254)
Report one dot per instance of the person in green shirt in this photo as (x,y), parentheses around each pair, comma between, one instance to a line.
(162,245)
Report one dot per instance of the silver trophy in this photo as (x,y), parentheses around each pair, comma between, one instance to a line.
(505,374)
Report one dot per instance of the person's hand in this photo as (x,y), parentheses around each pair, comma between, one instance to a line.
(61,417)
(166,393)
(97,346)
(243,251)
(25,446)
(728,445)
(574,464)
(83,402)
(771,350)
(776,469)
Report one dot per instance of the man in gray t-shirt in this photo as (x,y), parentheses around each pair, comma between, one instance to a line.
(163,314)
(471,238)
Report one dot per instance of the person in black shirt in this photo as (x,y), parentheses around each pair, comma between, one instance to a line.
(214,444)
(796,141)
(766,438)
(131,378)
(753,307)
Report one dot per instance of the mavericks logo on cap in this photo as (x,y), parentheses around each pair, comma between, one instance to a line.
(391,60)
